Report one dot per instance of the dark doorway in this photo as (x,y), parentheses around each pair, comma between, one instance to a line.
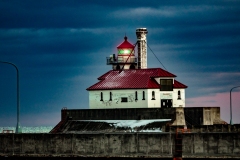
(166,103)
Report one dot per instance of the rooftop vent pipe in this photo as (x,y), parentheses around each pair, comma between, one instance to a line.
(142,47)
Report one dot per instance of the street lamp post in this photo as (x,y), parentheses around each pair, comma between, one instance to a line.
(231,104)
(18,127)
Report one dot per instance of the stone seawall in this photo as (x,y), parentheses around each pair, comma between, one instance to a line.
(141,145)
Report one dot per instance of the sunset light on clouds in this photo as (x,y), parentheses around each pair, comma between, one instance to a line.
(219,100)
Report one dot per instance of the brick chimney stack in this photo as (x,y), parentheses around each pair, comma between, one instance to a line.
(142,47)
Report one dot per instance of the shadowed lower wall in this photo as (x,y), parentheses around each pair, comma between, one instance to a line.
(158,145)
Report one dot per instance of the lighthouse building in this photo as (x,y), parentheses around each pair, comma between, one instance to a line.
(130,84)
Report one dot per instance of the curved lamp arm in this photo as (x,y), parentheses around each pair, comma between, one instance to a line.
(18,128)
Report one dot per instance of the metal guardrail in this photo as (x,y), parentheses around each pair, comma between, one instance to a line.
(111,60)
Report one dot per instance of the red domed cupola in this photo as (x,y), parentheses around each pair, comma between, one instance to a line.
(125,48)
(125,58)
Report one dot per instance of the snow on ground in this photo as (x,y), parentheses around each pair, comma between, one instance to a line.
(131,124)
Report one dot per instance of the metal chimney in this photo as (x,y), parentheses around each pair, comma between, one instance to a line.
(142,47)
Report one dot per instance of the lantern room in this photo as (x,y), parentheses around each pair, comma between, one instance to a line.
(125,48)
(125,58)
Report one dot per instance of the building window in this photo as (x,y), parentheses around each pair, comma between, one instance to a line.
(110,95)
(166,84)
(179,94)
(153,95)
(124,99)
(101,97)
(143,96)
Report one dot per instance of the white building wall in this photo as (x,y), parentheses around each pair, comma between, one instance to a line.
(117,95)
(154,102)
(95,96)
(178,102)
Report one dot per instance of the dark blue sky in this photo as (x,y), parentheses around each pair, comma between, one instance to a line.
(60,48)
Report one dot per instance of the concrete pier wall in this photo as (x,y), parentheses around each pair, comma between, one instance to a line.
(155,145)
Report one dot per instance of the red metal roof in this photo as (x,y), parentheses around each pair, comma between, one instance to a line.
(133,79)
(125,44)
(178,85)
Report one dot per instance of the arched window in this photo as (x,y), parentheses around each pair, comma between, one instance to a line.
(179,94)
(153,95)
(136,96)
(110,95)
(143,96)
(101,97)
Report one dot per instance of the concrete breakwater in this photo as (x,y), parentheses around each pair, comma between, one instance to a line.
(141,145)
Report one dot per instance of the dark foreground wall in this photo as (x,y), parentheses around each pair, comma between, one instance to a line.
(141,145)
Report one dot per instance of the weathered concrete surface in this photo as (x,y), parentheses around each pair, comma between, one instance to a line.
(154,145)
(205,128)
(180,117)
